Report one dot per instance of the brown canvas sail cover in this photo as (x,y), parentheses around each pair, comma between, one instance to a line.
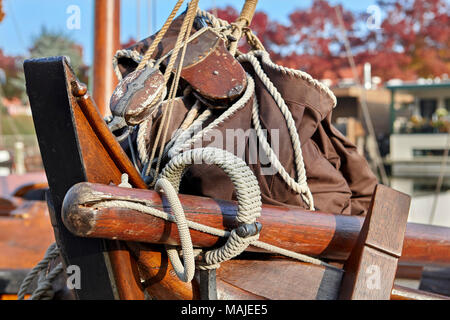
(340,179)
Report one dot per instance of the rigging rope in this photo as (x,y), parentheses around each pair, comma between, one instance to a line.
(44,290)
(249,208)
(181,42)
(300,186)
(148,54)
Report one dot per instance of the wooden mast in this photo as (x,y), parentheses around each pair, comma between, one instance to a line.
(106,43)
(2,14)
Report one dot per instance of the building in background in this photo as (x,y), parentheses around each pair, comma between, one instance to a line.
(378,102)
(419,147)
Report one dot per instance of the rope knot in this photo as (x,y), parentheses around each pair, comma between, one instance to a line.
(234,246)
(201,263)
(246,230)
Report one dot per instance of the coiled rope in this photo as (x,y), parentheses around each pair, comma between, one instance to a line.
(249,209)
(44,290)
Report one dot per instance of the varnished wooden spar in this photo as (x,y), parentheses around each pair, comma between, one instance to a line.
(314,233)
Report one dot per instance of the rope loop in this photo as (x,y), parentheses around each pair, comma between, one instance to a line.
(300,186)
(247,191)
(124,53)
(244,181)
(184,272)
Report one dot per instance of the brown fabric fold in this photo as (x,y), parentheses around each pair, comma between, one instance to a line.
(340,179)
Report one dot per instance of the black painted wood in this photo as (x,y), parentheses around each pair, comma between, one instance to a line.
(330,284)
(53,120)
(436,280)
(208,285)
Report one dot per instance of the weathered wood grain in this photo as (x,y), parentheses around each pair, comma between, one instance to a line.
(282,279)
(370,269)
(314,233)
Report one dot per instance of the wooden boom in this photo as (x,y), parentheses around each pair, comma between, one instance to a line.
(318,234)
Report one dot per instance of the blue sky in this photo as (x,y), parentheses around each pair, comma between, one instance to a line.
(25,18)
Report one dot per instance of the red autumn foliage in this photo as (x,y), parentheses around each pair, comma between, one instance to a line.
(415,37)
(412,41)
(8,64)
(131,41)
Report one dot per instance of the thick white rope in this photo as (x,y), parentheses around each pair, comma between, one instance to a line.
(124,53)
(300,186)
(235,244)
(44,290)
(144,208)
(265,59)
(247,192)
(248,197)
(223,117)
(184,272)
(244,181)
(182,137)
